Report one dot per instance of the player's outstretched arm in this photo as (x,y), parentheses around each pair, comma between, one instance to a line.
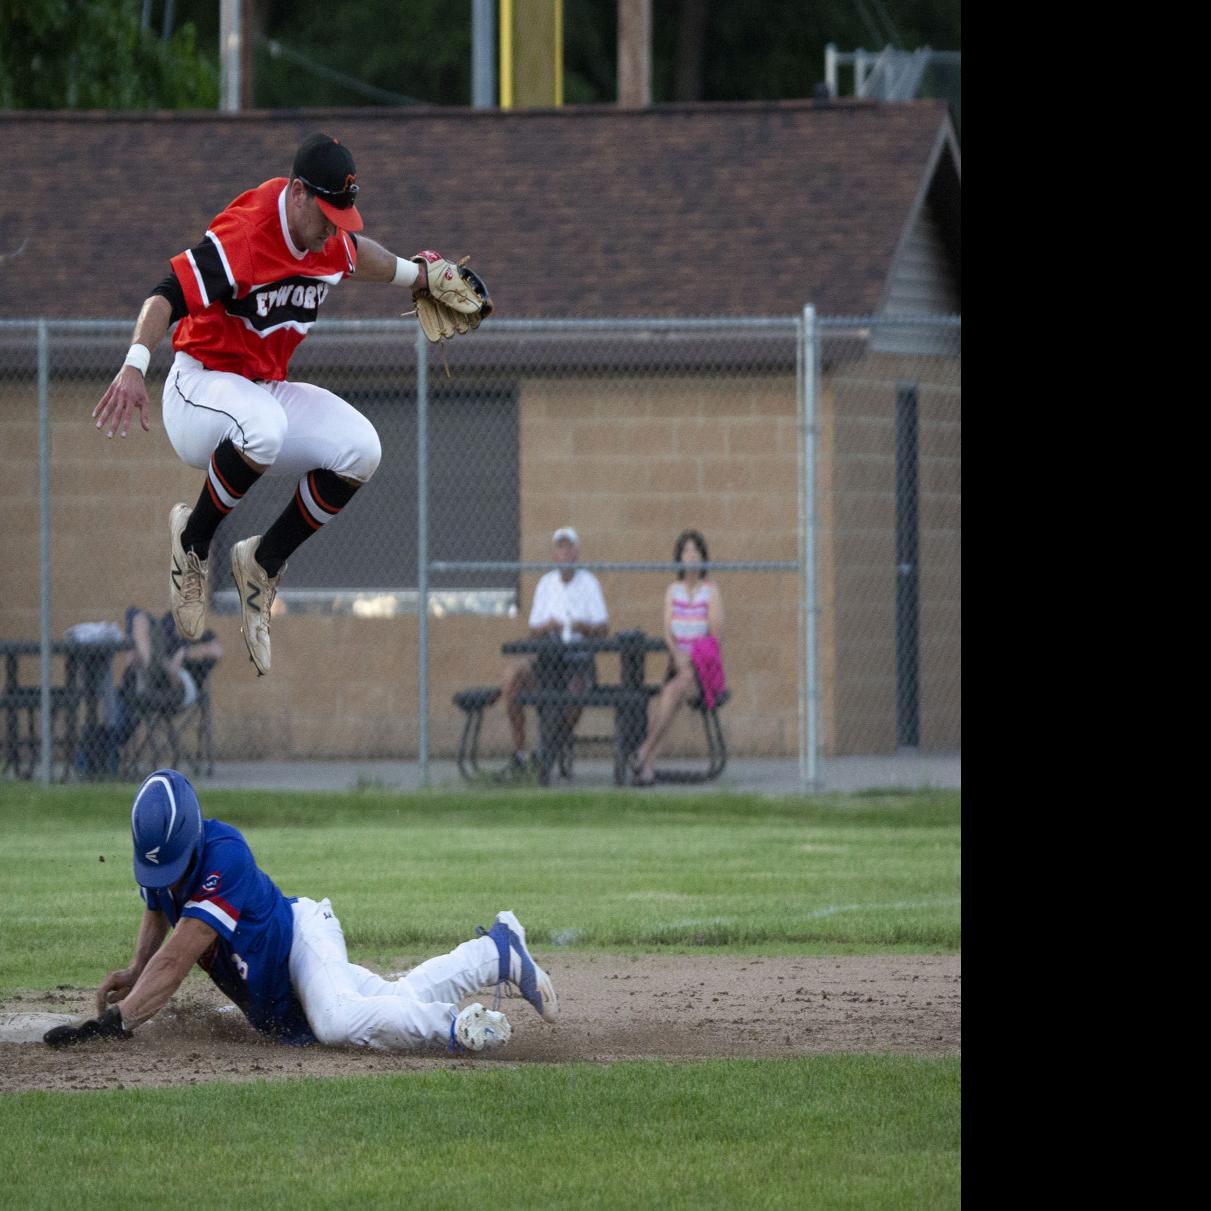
(448,299)
(153,929)
(127,394)
(159,979)
(377,264)
(108,1023)
(167,968)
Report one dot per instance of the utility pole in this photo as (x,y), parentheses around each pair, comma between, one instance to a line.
(230,57)
(634,53)
(483,54)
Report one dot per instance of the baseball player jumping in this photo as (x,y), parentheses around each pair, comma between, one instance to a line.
(245,297)
(283,960)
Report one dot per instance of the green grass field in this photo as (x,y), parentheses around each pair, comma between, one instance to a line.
(410,875)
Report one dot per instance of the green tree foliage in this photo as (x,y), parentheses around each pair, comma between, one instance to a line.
(92,54)
(775,50)
(420,50)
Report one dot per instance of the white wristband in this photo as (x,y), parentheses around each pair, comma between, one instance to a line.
(405,272)
(138,356)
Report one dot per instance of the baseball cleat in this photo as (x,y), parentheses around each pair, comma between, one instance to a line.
(257,589)
(517,966)
(479,1029)
(186,581)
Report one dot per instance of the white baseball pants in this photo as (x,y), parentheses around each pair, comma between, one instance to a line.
(291,428)
(347,1005)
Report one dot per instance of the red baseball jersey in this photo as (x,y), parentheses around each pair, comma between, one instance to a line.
(252,295)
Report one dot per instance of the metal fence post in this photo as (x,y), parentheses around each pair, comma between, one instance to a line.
(908,569)
(809,676)
(483,54)
(422,550)
(44,547)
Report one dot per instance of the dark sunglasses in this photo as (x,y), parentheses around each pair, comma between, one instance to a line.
(342,199)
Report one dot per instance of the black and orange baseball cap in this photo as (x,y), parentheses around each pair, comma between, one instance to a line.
(326,167)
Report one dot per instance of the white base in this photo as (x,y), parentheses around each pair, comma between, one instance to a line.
(29,1027)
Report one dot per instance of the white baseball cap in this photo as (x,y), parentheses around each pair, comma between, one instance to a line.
(566,534)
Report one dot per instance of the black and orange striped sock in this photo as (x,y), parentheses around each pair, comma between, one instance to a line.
(227,481)
(320,496)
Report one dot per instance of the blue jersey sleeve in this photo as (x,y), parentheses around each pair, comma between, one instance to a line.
(223,887)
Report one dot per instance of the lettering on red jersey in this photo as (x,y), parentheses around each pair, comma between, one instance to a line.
(252,294)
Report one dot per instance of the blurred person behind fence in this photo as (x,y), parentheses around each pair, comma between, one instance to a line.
(568,604)
(157,672)
(693,631)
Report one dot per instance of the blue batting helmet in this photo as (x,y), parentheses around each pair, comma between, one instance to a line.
(166,827)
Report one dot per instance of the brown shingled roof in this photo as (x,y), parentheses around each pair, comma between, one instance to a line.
(752,208)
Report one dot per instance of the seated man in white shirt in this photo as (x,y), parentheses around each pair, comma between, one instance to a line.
(568,603)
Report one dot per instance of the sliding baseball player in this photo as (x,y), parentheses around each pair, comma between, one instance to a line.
(282,960)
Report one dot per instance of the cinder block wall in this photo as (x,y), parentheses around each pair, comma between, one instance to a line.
(629,463)
(345,686)
(857,553)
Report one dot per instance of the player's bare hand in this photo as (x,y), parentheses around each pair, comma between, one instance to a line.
(125,396)
(114,987)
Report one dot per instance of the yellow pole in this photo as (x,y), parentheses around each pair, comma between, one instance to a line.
(558,52)
(506,54)
(531,53)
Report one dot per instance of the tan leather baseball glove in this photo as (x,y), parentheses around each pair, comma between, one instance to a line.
(456,300)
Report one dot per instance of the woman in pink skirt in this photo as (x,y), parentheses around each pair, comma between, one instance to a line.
(693,611)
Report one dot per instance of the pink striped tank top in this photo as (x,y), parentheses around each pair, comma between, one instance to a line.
(689,619)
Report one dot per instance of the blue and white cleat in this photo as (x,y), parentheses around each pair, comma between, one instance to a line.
(517,966)
(478,1029)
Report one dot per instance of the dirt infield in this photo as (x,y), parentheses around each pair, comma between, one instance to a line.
(671,1007)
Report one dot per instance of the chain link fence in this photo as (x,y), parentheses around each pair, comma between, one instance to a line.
(889,535)
(818,461)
